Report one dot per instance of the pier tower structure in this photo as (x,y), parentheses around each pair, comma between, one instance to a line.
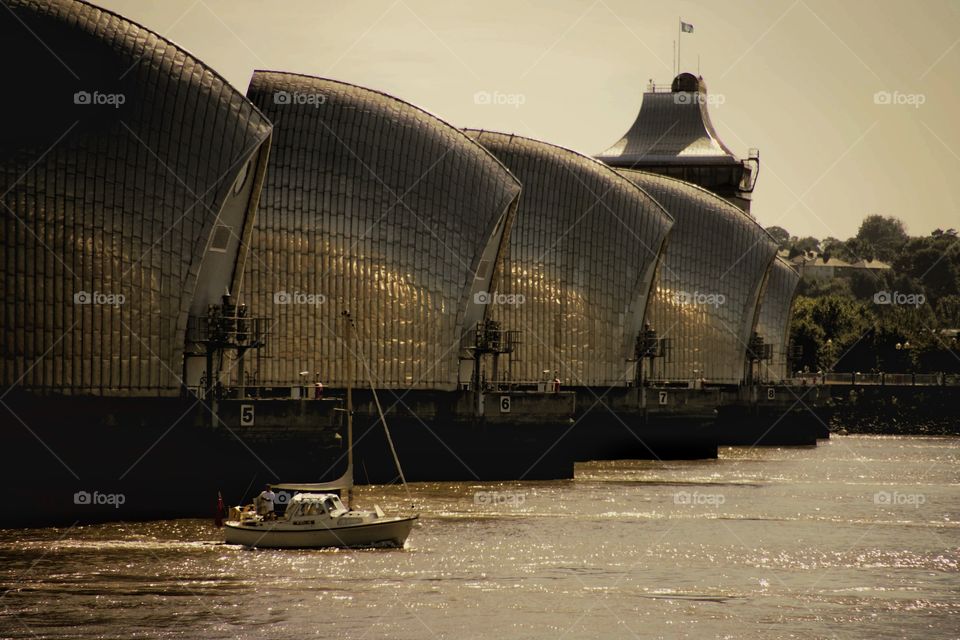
(673,135)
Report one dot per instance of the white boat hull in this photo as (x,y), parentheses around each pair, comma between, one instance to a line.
(385,532)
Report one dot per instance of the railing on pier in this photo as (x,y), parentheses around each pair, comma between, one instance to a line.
(235,328)
(262,392)
(877,379)
(528,386)
(653,87)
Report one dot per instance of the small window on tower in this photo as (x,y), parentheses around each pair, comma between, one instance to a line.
(241,179)
(220,239)
(482,269)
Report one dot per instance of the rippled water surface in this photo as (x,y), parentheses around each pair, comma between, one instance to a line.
(858,538)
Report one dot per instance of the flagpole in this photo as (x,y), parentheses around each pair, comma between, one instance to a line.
(679,39)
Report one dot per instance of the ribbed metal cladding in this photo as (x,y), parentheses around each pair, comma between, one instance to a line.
(374,206)
(115,162)
(582,254)
(708,283)
(773,323)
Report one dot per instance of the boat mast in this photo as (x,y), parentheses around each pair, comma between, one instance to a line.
(383,418)
(349,411)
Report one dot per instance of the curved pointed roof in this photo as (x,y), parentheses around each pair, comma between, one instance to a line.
(709,280)
(673,127)
(122,161)
(773,317)
(376,206)
(581,259)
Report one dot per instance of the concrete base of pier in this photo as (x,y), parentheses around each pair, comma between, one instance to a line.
(168,457)
(74,455)
(438,436)
(644,423)
(773,415)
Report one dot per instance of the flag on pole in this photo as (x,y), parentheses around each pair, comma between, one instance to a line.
(686,27)
(221,509)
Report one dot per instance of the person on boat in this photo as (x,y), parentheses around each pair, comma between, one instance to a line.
(266,501)
(318,390)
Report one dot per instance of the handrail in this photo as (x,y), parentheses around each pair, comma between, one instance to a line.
(307,389)
(882,379)
(653,87)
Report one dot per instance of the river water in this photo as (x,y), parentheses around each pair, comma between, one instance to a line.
(858,538)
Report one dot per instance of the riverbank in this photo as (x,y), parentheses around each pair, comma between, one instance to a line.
(923,414)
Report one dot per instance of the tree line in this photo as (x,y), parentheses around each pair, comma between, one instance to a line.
(899,320)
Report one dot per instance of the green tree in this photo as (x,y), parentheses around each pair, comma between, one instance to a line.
(806,334)
(837,323)
(934,262)
(828,328)
(865,284)
(808,243)
(780,235)
(858,249)
(839,287)
(831,247)
(948,312)
(885,235)
(798,246)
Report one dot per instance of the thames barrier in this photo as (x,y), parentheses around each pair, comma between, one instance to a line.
(185,255)
(407,319)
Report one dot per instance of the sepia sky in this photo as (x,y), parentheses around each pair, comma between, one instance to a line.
(796,79)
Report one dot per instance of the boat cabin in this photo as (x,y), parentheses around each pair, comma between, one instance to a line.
(315,504)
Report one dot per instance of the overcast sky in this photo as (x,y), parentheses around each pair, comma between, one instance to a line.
(796,79)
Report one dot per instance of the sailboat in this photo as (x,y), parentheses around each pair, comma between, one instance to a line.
(316,516)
